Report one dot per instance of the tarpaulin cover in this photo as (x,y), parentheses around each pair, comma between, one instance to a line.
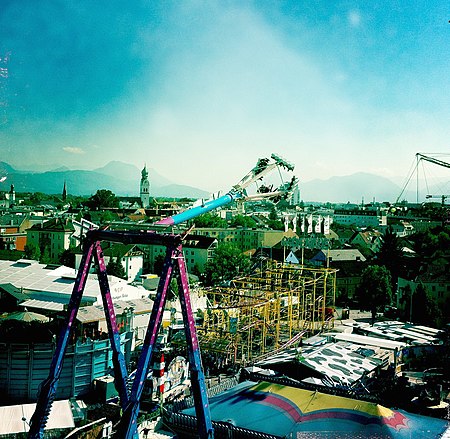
(291,412)
(15,418)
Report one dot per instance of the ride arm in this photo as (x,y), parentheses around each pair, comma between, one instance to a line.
(432,160)
(238,192)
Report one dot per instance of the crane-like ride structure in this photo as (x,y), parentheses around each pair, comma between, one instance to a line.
(174,267)
(419,158)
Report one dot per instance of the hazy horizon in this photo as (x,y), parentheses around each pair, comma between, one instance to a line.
(200,91)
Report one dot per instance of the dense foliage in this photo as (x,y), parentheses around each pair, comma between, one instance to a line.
(103,198)
(115,268)
(390,255)
(210,220)
(374,292)
(424,310)
(435,241)
(228,262)
(242,221)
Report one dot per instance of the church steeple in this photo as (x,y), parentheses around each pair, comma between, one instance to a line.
(12,197)
(145,188)
(64,192)
(144,173)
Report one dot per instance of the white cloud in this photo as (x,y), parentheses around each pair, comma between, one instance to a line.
(354,18)
(74,150)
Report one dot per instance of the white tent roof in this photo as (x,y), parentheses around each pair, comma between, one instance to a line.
(12,417)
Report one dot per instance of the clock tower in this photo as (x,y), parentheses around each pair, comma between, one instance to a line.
(145,188)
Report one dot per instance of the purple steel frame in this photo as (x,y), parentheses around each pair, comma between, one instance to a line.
(173,264)
(130,402)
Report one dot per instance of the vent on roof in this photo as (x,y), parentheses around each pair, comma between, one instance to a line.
(52,266)
(24,263)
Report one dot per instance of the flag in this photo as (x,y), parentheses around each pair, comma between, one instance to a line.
(310,223)
(318,227)
(326,225)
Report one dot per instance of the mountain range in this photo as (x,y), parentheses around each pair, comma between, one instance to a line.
(123,179)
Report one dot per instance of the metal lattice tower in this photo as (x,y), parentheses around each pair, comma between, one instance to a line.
(269,311)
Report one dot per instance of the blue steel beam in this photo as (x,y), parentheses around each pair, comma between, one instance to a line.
(199,210)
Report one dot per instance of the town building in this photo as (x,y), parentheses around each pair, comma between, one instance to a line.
(245,239)
(197,250)
(360,217)
(402,229)
(130,256)
(12,232)
(369,240)
(54,236)
(436,280)
(325,258)
(54,284)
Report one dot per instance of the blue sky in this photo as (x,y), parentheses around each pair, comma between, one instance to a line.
(199,90)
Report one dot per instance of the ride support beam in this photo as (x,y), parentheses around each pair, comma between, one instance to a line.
(204,423)
(127,428)
(47,393)
(118,359)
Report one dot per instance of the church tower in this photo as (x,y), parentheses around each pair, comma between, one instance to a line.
(64,192)
(12,197)
(145,188)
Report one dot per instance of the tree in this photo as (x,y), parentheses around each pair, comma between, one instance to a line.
(103,198)
(432,241)
(391,255)
(115,268)
(406,301)
(67,258)
(210,220)
(158,264)
(45,256)
(273,215)
(106,217)
(242,221)
(374,291)
(227,263)
(32,251)
(275,224)
(424,308)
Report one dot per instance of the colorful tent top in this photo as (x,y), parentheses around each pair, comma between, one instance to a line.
(27,316)
(290,412)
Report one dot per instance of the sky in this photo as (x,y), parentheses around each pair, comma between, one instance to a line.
(199,90)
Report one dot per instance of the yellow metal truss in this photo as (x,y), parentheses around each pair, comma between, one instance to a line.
(268,311)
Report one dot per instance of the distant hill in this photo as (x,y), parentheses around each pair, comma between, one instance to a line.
(5,168)
(123,171)
(59,169)
(350,188)
(126,171)
(121,178)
